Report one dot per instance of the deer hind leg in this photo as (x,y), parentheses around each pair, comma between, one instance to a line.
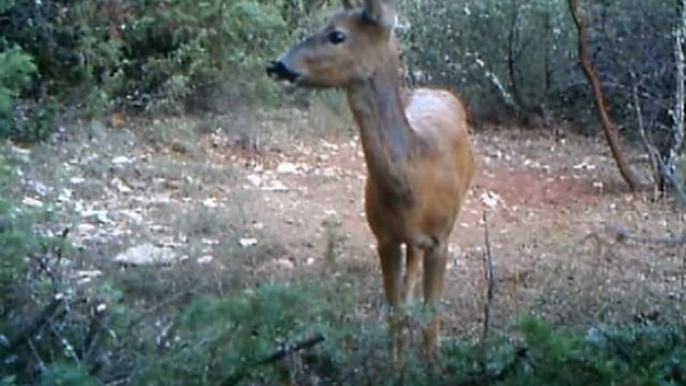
(391,267)
(435,262)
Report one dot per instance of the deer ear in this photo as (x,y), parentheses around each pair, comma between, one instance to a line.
(382,12)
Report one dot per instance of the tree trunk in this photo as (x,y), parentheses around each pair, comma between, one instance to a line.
(680,92)
(609,126)
(669,171)
(513,41)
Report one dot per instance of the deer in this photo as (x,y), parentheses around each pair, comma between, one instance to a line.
(417,148)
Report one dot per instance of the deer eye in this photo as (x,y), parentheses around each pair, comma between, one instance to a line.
(336,37)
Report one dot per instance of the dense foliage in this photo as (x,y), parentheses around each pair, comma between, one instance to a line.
(510,59)
(137,55)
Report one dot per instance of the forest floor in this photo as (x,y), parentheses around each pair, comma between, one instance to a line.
(250,208)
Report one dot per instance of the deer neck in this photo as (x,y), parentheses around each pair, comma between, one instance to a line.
(387,138)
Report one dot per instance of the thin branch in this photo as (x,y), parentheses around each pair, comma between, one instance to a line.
(68,348)
(620,234)
(98,324)
(505,96)
(274,357)
(38,360)
(653,153)
(165,303)
(38,323)
(490,279)
(670,175)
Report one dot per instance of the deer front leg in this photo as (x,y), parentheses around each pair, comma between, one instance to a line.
(435,262)
(391,267)
(413,259)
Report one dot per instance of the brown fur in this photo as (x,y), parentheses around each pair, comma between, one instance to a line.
(417,147)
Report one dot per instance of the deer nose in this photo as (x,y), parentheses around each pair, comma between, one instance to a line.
(279,71)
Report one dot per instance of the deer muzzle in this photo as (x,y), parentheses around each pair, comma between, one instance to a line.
(278,70)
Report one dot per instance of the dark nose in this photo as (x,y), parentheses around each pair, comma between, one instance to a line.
(279,71)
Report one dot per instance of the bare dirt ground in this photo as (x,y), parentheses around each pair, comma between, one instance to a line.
(294,210)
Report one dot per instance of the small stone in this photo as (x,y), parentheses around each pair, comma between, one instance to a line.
(21,154)
(122,160)
(121,186)
(87,276)
(255,179)
(32,202)
(39,188)
(146,254)
(210,203)
(247,242)
(276,186)
(286,168)
(205,259)
(284,263)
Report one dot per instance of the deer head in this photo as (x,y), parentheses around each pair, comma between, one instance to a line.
(356,43)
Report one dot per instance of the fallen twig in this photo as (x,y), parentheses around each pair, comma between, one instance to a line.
(490,280)
(620,234)
(98,324)
(274,357)
(151,311)
(487,378)
(38,323)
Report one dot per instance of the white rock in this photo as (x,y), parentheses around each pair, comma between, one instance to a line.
(284,263)
(39,188)
(32,202)
(65,195)
(205,259)
(122,160)
(210,203)
(22,154)
(584,165)
(99,215)
(85,228)
(276,186)
(491,199)
(286,168)
(121,186)
(255,179)
(146,254)
(247,242)
(88,275)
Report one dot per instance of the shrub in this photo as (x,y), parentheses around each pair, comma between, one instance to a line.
(182,53)
(16,70)
(144,56)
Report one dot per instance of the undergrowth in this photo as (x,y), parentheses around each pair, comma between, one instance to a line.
(185,324)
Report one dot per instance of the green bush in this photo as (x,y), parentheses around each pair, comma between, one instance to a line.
(16,70)
(142,56)
(182,53)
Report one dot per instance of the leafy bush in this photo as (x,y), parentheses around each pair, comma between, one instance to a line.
(181,52)
(16,70)
(137,55)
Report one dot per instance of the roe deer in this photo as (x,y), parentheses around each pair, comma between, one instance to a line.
(417,148)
